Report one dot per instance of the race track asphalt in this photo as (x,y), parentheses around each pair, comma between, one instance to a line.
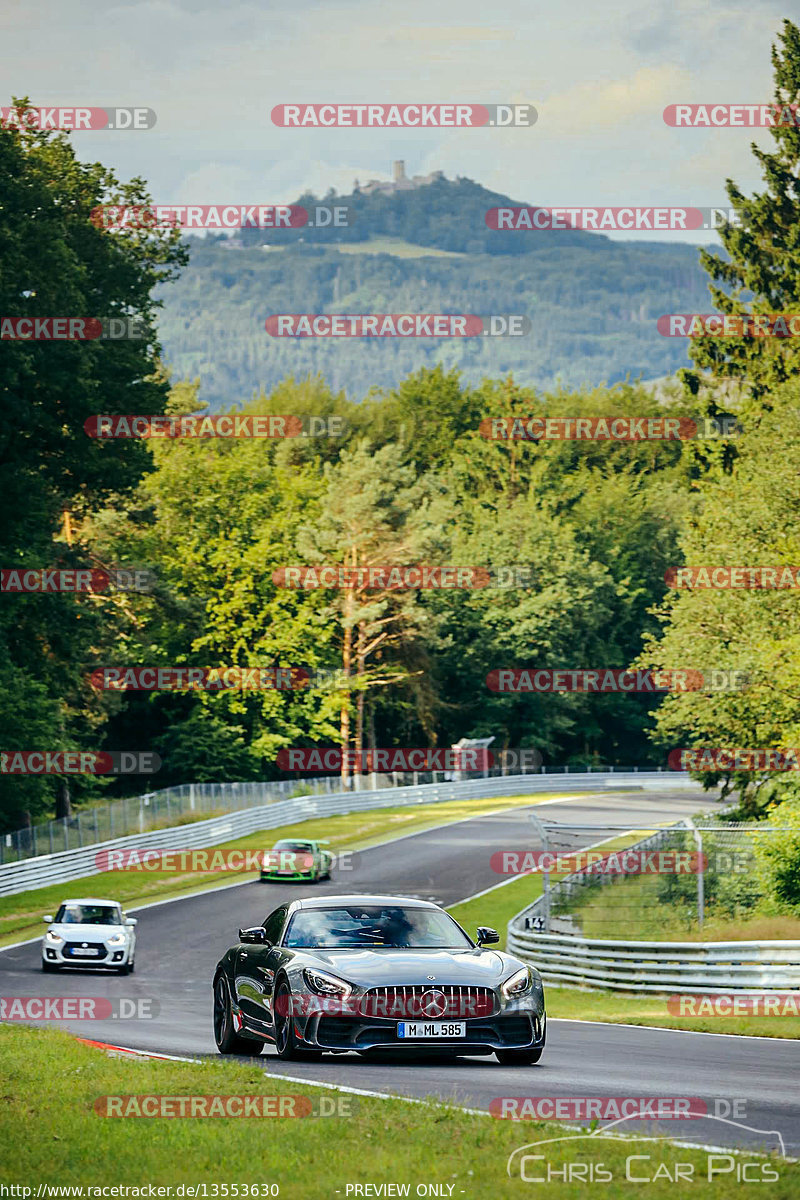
(180,942)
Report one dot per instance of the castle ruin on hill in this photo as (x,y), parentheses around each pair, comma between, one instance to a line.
(400,181)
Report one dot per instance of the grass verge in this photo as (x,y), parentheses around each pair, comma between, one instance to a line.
(21,914)
(53,1135)
(636,909)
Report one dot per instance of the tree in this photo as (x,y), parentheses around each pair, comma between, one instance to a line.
(57,263)
(760,271)
(748,518)
(376,512)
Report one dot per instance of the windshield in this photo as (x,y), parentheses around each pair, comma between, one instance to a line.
(88,914)
(299,847)
(373,925)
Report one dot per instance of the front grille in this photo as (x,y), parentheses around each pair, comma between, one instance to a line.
(71,947)
(430,1001)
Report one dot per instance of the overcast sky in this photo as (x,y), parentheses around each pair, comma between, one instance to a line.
(599,76)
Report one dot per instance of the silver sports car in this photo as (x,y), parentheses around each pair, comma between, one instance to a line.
(366,973)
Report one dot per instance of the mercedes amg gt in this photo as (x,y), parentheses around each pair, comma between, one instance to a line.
(368,973)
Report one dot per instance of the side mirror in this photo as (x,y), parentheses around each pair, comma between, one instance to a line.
(256,936)
(487,936)
(130,920)
(48,918)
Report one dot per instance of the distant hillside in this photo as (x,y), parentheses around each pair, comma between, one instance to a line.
(593,304)
(447,214)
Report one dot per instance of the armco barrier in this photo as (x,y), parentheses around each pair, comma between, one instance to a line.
(74,864)
(707,967)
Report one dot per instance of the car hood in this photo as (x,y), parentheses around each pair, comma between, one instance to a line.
(384,968)
(87,933)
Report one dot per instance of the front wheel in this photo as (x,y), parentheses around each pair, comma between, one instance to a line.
(285,1042)
(48,967)
(228,1041)
(518,1058)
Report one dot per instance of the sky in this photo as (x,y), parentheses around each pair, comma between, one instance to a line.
(599,77)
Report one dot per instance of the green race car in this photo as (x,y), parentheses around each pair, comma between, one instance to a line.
(292,860)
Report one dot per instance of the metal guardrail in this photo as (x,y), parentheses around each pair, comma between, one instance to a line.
(75,864)
(707,967)
(188,802)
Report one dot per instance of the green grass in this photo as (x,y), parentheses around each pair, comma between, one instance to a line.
(395,246)
(624,1008)
(21,914)
(52,1134)
(633,909)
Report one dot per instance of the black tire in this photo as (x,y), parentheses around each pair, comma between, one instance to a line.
(519,1058)
(48,967)
(229,1042)
(285,1042)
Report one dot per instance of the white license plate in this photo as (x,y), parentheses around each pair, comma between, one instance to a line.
(88,952)
(435,1029)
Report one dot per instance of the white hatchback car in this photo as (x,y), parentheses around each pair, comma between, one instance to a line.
(89,933)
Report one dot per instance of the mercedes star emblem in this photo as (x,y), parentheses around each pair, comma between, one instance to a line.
(433,1003)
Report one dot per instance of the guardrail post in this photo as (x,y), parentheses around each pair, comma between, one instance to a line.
(541,829)
(689,823)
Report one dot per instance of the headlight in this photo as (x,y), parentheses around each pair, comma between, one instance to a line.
(519,983)
(53,938)
(116,939)
(326,985)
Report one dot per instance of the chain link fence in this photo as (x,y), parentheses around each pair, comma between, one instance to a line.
(197,801)
(667,883)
